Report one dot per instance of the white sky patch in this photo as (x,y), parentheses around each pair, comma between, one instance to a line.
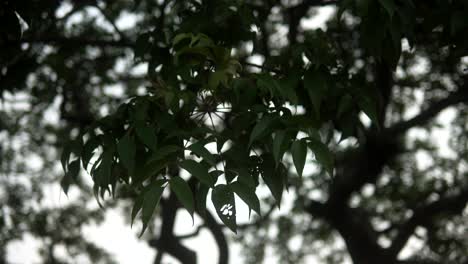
(23,251)
(319,20)
(120,240)
(127,21)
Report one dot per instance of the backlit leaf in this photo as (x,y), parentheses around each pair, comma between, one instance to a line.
(224,203)
(299,154)
(200,150)
(322,154)
(272,178)
(183,192)
(198,170)
(247,194)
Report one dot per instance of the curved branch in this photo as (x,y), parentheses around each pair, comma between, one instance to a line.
(430,112)
(167,242)
(451,205)
(220,238)
(75,41)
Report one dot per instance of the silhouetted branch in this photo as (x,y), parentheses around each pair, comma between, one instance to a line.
(167,242)
(220,238)
(76,41)
(193,234)
(430,112)
(451,205)
(109,19)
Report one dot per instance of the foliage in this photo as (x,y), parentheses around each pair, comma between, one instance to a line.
(205,122)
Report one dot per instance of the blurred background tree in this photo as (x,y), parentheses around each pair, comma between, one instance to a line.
(398,180)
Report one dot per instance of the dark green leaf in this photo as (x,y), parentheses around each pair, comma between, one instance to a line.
(65,157)
(224,203)
(200,198)
(127,150)
(147,136)
(267,83)
(322,154)
(104,171)
(88,151)
(278,143)
(151,199)
(299,155)
(183,192)
(245,177)
(247,194)
(71,175)
(316,86)
(137,207)
(151,168)
(163,152)
(261,128)
(199,149)
(272,178)
(198,170)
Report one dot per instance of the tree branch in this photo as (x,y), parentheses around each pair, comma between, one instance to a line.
(452,205)
(109,19)
(217,231)
(75,41)
(461,96)
(167,242)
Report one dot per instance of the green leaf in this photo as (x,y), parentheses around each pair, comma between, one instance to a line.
(200,198)
(179,37)
(245,177)
(65,157)
(199,149)
(71,175)
(272,177)
(299,154)
(127,150)
(322,154)
(88,151)
(183,192)
(104,171)
(267,83)
(316,86)
(261,127)
(289,86)
(278,140)
(151,168)
(215,174)
(147,136)
(163,152)
(247,194)
(198,170)
(216,78)
(224,203)
(136,207)
(150,200)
